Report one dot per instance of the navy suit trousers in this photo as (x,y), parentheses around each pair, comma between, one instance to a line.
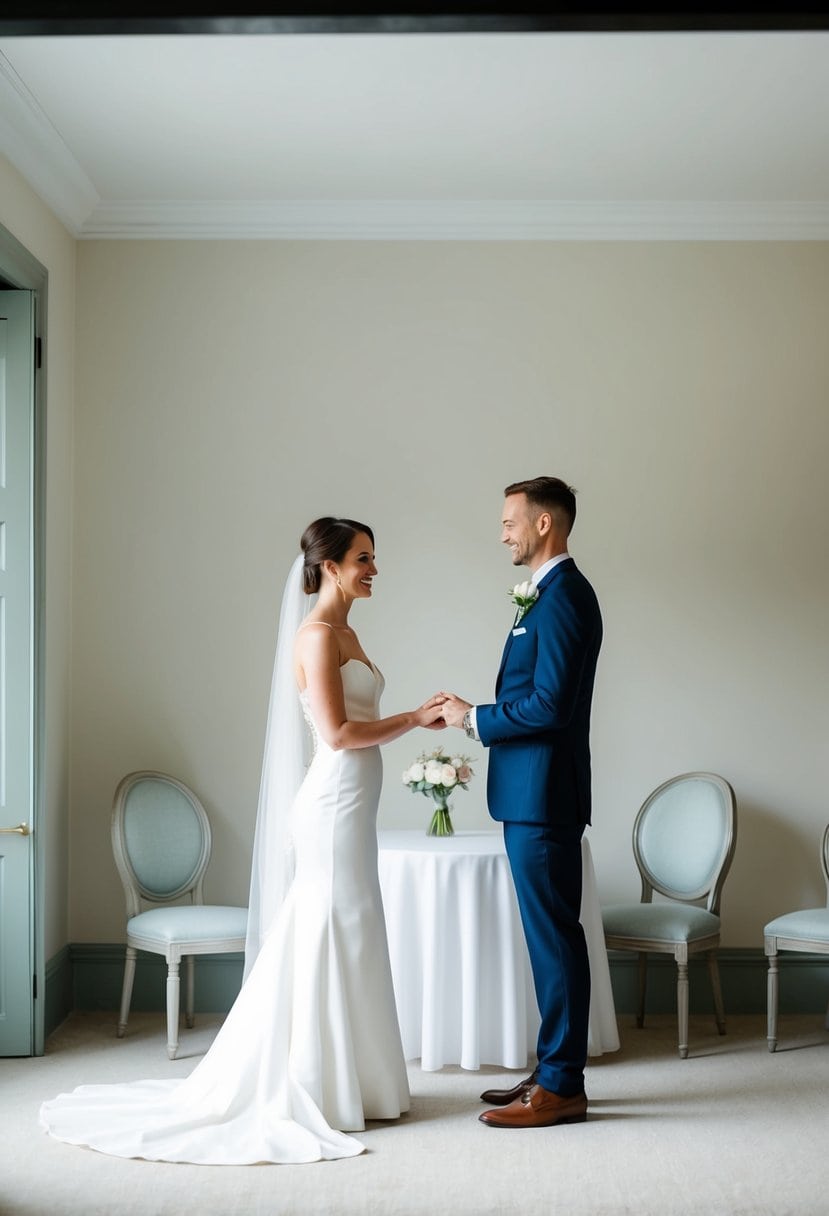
(546,869)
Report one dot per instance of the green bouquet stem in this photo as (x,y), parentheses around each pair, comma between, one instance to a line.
(441,824)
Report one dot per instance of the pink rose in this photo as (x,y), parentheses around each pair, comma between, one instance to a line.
(448,776)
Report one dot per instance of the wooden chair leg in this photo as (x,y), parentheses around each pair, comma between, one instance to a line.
(719,1008)
(643,983)
(189,1001)
(682,1008)
(771,1001)
(126,991)
(173,987)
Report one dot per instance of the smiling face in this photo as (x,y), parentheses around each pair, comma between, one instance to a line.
(520,531)
(357,569)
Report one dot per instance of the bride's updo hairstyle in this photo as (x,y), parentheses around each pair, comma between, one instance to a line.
(327,540)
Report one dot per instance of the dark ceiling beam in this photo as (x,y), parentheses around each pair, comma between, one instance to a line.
(27,18)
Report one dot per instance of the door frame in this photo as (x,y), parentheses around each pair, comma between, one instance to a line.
(20,269)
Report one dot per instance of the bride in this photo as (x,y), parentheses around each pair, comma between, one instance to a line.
(311,1048)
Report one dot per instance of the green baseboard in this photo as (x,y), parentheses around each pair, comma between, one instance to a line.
(804,982)
(89,977)
(98,974)
(58,996)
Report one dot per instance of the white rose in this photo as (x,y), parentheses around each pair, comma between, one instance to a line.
(456,762)
(416,772)
(524,591)
(433,772)
(448,776)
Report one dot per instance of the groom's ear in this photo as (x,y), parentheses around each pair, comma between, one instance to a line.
(544,523)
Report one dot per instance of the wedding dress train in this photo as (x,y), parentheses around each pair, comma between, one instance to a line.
(311,1048)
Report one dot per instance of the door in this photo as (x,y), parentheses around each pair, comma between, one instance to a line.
(16,672)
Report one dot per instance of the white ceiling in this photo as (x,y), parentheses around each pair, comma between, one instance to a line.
(644,135)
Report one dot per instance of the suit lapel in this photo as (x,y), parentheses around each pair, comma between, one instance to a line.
(549,577)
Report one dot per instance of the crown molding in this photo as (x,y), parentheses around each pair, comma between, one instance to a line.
(462,220)
(33,145)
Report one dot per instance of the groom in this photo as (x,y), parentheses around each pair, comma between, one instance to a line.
(539,786)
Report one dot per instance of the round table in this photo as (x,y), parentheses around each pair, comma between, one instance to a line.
(459,960)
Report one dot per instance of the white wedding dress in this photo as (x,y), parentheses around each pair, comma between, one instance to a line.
(311,1048)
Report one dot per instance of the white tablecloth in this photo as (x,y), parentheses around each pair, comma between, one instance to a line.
(459,959)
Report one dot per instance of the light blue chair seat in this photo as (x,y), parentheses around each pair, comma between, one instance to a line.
(198,925)
(808,925)
(683,843)
(669,922)
(161,840)
(806,931)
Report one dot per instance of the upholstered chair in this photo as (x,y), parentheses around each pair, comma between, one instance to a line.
(683,843)
(162,841)
(806,931)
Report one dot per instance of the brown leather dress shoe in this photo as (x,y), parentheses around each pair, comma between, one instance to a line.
(503,1097)
(538,1108)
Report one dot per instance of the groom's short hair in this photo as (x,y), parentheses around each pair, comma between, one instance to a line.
(548,494)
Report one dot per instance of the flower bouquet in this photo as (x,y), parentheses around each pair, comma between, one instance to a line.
(436,775)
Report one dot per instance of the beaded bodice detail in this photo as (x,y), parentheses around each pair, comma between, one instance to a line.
(309,721)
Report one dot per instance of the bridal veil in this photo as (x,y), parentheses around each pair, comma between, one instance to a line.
(286,758)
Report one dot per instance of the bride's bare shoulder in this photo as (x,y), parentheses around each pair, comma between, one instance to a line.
(312,640)
(316,653)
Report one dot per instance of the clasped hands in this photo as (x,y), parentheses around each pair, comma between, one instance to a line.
(443,709)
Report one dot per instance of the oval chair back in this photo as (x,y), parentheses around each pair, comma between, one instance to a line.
(161,840)
(684,838)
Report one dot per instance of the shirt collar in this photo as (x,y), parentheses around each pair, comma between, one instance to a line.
(548,566)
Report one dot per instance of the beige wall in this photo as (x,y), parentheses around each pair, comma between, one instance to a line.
(227,393)
(36,228)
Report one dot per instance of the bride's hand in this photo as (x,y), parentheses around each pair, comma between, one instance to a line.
(430,713)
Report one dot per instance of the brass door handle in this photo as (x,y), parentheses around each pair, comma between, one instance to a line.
(22,829)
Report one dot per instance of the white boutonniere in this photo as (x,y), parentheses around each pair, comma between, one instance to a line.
(523,595)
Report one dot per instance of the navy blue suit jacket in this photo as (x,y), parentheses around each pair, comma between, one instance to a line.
(538,729)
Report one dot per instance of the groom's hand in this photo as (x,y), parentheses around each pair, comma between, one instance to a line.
(454,709)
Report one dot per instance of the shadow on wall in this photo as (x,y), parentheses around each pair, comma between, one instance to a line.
(776,866)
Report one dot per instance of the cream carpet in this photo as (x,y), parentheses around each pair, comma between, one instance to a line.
(731,1131)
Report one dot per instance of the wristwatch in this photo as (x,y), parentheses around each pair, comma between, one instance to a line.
(467,725)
